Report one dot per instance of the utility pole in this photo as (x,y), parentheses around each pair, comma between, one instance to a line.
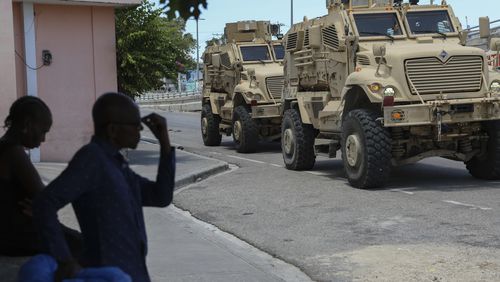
(197,58)
(197,53)
(291,13)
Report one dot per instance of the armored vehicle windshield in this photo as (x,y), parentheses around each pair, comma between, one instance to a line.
(425,22)
(381,24)
(279,52)
(255,53)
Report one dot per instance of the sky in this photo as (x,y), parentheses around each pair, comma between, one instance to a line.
(278,11)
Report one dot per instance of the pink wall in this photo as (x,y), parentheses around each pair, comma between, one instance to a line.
(19,46)
(7,60)
(82,42)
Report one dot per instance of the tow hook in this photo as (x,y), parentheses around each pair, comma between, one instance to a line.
(439,119)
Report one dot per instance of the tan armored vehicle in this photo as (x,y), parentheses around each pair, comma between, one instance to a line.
(242,87)
(387,84)
(493,53)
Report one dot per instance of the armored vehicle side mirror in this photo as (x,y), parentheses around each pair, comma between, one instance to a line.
(464,36)
(251,72)
(315,37)
(216,60)
(484,27)
(379,50)
(237,66)
(495,44)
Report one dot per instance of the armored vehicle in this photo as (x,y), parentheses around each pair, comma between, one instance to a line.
(242,87)
(388,83)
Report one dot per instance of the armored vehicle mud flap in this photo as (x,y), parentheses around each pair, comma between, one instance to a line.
(266,111)
(438,112)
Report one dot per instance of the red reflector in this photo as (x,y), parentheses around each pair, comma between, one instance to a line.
(253,103)
(388,101)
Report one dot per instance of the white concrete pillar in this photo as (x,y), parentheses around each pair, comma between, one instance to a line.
(30,59)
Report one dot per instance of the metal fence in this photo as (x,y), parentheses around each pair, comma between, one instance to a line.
(161,96)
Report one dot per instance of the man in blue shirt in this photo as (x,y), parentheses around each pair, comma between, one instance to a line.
(107,196)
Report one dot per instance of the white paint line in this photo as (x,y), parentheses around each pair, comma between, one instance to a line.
(402,191)
(277,165)
(319,173)
(467,205)
(245,159)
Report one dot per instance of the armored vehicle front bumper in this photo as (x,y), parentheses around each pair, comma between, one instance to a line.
(443,111)
(266,111)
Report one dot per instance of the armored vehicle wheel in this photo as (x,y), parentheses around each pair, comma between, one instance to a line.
(245,133)
(297,142)
(210,127)
(487,165)
(366,149)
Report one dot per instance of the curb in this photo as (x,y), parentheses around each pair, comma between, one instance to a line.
(195,176)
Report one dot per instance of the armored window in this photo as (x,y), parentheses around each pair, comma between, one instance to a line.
(330,37)
(207,59)
(424,22)
(279,51)
(224,60)
(291,41)
(363,60)
(255,53)
(306,38)
(379,24)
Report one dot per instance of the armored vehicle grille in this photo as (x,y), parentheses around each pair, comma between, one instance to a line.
(363,60)
(275,86)
(224,60)
(330,37)
(291,41)
(306,38)
(458,74)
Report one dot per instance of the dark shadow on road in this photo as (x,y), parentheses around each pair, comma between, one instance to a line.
(416,177)
(263,147)
(422,176)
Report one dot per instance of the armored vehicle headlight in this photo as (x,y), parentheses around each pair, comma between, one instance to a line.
(375,87)
(388,97)
(389,91)
(495,86)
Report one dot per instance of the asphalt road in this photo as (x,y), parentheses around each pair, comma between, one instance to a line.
(433,221)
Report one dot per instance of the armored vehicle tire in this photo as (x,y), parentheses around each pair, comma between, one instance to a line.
(297,142)
(366,150)
(487,165)
(210,127)
(245,132)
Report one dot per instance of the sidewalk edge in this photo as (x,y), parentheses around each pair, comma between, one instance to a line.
(195,176)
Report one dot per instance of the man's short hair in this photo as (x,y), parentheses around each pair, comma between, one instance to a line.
(107,108)
(26,107)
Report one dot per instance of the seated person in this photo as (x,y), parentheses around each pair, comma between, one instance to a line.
(28,122)
(107,195)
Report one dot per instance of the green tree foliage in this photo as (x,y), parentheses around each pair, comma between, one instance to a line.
(185,8)
(149,48)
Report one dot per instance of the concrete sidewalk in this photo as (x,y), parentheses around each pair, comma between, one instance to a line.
(182,248)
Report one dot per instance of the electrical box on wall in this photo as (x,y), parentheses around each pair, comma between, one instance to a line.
(46,57)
